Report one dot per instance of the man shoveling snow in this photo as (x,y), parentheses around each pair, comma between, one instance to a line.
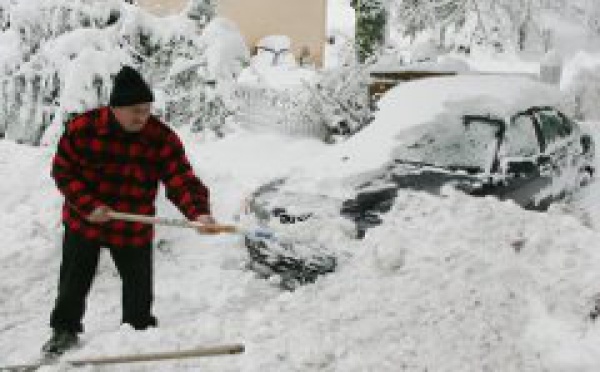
(112,159)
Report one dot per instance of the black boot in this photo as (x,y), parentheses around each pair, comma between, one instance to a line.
(60,342)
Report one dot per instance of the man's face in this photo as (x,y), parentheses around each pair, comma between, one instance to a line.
(133,118)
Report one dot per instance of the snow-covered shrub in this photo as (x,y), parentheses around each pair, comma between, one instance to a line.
(584,94)
(339,100)
(499,24)
(56,62)
(58,58)
(194,75)
(37,22)
(329,104)
(226,51)
(581,83)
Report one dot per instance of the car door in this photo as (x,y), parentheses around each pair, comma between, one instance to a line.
(558,144)
(522,170)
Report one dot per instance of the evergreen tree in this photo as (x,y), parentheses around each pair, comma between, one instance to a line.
(202,11)
(371,19)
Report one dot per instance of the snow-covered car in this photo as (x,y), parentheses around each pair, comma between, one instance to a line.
(483,135)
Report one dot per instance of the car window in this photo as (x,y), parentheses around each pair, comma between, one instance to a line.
(449,142)
(520,139)
(553,125)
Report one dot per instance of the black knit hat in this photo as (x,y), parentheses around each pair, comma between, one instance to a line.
(130,89)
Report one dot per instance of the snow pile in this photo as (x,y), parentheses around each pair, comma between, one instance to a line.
(450,283)
(445,285)
(581,80)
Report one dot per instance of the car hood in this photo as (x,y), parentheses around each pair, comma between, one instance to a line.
(425,177)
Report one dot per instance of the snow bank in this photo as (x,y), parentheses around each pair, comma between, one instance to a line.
(444,284)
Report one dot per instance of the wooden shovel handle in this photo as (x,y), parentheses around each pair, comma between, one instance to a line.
(207,228)
(192,353)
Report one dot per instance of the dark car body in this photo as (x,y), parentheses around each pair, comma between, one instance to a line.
(558,152)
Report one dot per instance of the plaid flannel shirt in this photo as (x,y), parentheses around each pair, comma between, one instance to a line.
(98,163)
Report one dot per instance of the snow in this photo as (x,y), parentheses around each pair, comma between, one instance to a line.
(226,51)
(569,37)
(580,62)
(446,283)
(9,50)
(424,101)
(274,66)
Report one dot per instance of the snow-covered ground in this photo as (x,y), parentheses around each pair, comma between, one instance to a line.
(445,284)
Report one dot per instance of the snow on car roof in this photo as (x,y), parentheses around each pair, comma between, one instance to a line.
(420,102)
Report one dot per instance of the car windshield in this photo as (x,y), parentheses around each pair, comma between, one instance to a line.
(467,142)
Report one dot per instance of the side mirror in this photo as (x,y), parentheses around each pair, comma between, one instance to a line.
(522,167)
(543,161)
(586,143)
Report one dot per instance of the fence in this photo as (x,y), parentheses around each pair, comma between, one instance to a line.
(284,111)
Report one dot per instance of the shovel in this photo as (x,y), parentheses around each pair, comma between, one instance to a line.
(202,228)
(279,255)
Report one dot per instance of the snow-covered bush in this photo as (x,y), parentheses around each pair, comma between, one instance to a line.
(339,100)
(500,24)
(581,84)
(584,94)
(329,104)
(195,76)
(58,58)
(38,22)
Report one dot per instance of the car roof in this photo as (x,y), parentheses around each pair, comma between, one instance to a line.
(420,102)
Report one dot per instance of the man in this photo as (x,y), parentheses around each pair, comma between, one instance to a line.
(112,159)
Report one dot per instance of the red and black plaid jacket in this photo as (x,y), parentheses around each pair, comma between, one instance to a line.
(98,163)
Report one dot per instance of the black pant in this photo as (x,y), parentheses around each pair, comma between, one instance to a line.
(77,271)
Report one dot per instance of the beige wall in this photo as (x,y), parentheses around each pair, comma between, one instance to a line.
(304,21)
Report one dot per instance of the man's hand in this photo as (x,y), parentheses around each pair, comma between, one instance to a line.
(99,215)
(207,224)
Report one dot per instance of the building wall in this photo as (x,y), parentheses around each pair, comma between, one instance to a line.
(304,21)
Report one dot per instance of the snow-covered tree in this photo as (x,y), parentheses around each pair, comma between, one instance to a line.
(201,11)
(58,58)
(4,15)
(502,23)
(371,19)
(415,16)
